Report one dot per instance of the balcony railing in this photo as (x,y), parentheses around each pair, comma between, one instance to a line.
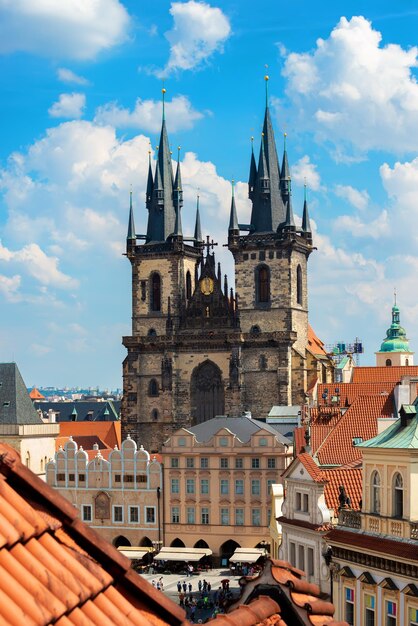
(378,524)
(349,518)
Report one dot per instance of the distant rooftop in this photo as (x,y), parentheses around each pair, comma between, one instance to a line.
(15,404)
(243,427)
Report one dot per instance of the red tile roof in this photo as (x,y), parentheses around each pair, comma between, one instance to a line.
(54,569)
(303,601)
(371,543)
(299,439)
(383,374)
(108,432)
(348,392)
(35,394)
(315,345)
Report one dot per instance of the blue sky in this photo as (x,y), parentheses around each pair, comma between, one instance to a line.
(81,102)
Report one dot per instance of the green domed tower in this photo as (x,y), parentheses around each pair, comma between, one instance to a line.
(395,347)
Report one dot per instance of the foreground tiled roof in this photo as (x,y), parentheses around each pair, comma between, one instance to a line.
(383,374)
(56,570)
(280,596)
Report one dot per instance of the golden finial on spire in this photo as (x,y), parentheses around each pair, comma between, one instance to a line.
(163,91)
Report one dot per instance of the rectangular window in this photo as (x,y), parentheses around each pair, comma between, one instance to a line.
(204,515)
(134,514)
(305,503)
(413,617)
(256,517)
(292,553)
(71,477)
(204,486)
(117,478)
(239,487)
(223,441)
(255,463)
(270,482)
(174,461)
(224,462)
(349,606)
(141,478)
(117,513)
(301,557)
(128,478)
(150,514)
(60,477)
(239,462)
(175,485)
(81,478)
(204,462)
(369,607)
(255,487)
(175,515)
(189,462)
(311,565)
(86,511)
(271,463)
(191,515)
(224,488)
(391,612)
(189,485)
(225,517)
(239,517)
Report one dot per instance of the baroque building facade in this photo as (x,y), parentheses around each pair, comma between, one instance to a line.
(198,349)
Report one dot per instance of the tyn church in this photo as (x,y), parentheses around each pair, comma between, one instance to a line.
(197,348)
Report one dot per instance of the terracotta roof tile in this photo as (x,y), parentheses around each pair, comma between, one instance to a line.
(299,439)
(350,478)
(315,345)
(108,432)
(364,542)
(393,374)
(348,392)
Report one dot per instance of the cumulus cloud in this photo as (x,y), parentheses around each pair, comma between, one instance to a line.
(68,76)
(374,229)
(70,105)
(198,32)
(70,29)
(147,115)
(303,171)
(359,199)
(355,93)
(9,287)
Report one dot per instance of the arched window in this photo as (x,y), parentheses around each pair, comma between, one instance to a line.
(152,332)
(262,284)
(397,495)
(407,362)
(154,415)
(153,387)
(262,361)
(375,492)
(388,362)
(299,284)
(188,286)
(155,292)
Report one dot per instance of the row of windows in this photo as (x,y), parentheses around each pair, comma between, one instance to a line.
(226,518)
(397,494)
(133,514)
(117,478)
(224,486)
(390,617)
(224,462)
(302,557)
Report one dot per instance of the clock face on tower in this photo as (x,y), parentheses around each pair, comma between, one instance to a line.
(206,285)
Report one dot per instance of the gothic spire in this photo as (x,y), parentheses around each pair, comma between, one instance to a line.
(178,229)
(268,210)
(131,224)
(285,174)
(178,189)
(197,229)
(290,220)
(233,219)
(306,224)
(150,183)
(253,173)
(162,213)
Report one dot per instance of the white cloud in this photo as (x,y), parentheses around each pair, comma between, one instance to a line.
(375,229)
(68,76)
(9,287)
(357,198)
(303,171)
(355,93)
(199,31)
(147,115)
(70,29)
(70,105)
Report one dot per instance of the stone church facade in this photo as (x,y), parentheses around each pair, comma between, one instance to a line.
(199,349)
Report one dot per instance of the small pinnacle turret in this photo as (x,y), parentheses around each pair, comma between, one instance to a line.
(233,219)
(131,224)
(306,224)
(285,174)
(253,173)
(198,241)
(178,190)
(290,220)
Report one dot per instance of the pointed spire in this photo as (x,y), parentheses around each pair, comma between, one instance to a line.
(290,220)
(226,285)
(266,78)
(306,224)
(197,229)
(252,178)
(219,273)
(131,236)
(285,174)
(150,182)
(178,189)
(178,229)
(233,219)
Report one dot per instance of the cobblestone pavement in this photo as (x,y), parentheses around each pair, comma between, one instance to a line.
(214,577)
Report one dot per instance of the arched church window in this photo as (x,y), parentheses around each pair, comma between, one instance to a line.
(262,284)
(375,492)
(188,286)
(262,361)
(155,292)
(152,332)
(388,362)
(397,495)
(154,415)
(299,284)
(153,387)
(255,330)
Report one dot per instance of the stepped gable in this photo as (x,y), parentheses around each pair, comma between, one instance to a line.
(280,596)
(359,421)
(56,570)
(373,374)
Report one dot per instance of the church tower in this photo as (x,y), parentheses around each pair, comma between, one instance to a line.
(271,282)
(395,347)
(198,350)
